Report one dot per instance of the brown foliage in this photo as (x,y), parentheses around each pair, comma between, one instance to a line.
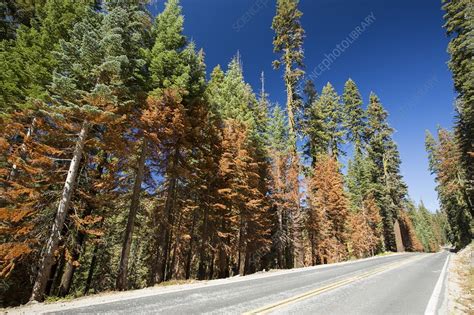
(328,211)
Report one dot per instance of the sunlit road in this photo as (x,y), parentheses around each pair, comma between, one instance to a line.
(398,284)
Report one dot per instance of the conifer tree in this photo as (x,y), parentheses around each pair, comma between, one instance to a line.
(28,61)
(328,211)
(390,191)
(281,203)
(358,180)
(241,194)
(288,43)
(232,97)
(311,122)
(354,115)
(459,27)
(332,113)
(93,80)
(444,156)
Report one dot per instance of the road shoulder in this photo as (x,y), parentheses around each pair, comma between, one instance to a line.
(460,285)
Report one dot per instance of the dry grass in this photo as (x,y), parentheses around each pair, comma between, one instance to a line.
(461,282)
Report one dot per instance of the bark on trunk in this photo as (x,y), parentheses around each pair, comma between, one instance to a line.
(90,274)
(204,243)
(70,268)
(121,283)
(168,224)
(55,235)
(190,251)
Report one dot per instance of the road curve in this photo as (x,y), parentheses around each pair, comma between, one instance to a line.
(398,284)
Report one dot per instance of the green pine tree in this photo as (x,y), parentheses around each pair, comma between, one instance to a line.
(28,62)
(358,180)
(94,81)
(288,43)
(232,97)
(460,28)
(389,189)
(354,115)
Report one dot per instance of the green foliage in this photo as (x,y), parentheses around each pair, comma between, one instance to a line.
(231,97)
(288,43)
(445,162)
(324,124)
(358,180)
(459,26)
(174,63)
(99,66)
(278,131)
(28,62)
(429,227)
(389,189)
(354,115)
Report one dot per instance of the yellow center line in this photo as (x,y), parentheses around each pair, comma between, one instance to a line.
(272,307)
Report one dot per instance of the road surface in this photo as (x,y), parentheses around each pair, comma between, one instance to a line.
(396,284)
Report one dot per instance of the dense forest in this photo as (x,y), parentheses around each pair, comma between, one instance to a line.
(124,164)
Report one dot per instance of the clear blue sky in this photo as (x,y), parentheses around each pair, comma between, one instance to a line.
(401,56)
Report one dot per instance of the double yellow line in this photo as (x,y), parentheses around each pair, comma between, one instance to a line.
(272,307)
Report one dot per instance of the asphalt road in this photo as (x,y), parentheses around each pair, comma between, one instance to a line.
(398,284)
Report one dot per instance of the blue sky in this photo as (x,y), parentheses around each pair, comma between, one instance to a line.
(401,56)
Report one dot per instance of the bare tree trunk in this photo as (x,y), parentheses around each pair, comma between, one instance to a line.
(90,274)
(55,235)
(290,106)
(165,239)
(70,268)
(175,249)
(190,251)
(121,283)
(202,251)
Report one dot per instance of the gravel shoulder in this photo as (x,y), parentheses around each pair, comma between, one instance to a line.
(461,282)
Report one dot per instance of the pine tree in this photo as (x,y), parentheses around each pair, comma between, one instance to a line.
(93,79)
(28,61)
(354,115)
(281,203)
(328,211)
(358,180)
(288,42)
(445,156)
(390,191)
(311,123)
(232,97)
(409,233)
(459,27)
(241,196)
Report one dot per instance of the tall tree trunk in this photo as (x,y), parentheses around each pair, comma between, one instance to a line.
(52,244)
(90,274)
(164,241)
(223,265)
(80,240)
(70,268)
(290,104)
(190,251)
(204,244)
(175,249)
(121,283)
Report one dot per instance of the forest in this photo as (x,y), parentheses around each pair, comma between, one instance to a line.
(124,163)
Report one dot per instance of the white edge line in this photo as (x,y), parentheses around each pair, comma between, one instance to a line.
(433,302)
